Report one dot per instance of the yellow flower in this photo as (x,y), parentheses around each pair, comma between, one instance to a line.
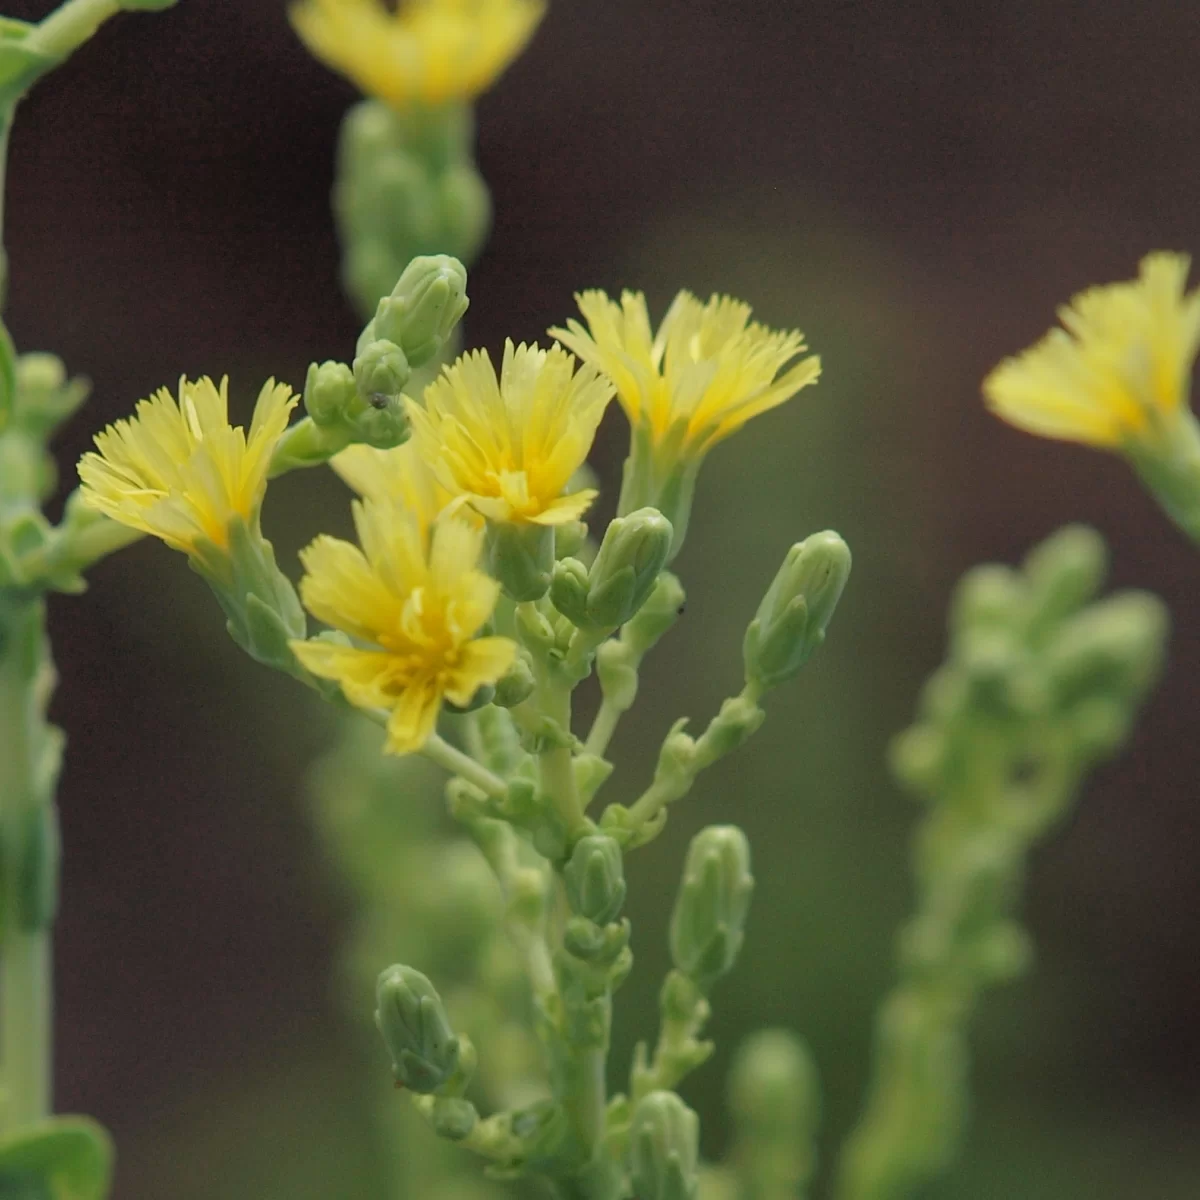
(415,597)
(399,475)
(418,51)
(708,370)
(509,446)
(178,471)
(1119,370)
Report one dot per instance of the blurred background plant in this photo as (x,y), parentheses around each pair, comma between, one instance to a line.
(918,223)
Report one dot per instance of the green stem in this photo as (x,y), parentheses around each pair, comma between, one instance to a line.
(555,770)
(603,728)
(69,26)
(463,765)
(1169,466)
(25,957)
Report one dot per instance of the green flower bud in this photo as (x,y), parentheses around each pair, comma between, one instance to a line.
(662,609)
(988,597)
(412,1018)
(426,304)
(773,1088)
(569,538)
(521,557)
(517,683)
(1066,570)
(796,610)
(330,392)
(632,556)
(664,1148)
(1114,648)
(380,370)
(713,902)
(595,879)
(569,590)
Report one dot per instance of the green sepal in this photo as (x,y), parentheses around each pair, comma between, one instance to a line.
(595,879)
(64,1158)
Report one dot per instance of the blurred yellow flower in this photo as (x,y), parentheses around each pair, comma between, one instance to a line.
(1120,369)
(707,371)
(509,446)
(399,475)
(177,470)
(415,596)
(418,51)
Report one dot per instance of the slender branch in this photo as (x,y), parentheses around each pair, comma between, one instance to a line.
(68,27)
(464,766)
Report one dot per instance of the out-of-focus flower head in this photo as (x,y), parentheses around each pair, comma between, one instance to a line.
(1118,371)
(418,52)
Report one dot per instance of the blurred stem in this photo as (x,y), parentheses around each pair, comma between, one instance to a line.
(464,766)
(26,767)
(68,27)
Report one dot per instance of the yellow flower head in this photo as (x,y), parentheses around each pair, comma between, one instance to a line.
(1120,368)
(509,446)
(399,475)
(177,470)
(415,597)
(708,370)
(418,51)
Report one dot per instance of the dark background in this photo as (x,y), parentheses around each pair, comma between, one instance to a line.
(917,186)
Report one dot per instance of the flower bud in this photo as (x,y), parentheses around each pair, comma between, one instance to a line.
(426,304)
(412,1018)
(569,538)
(796,610)
(664,1148)
(1113,648)
(595,879)
(569,590)
(517,683)
(329,392)
(381,370)
(711,908)
(1066,570)
(521,557)
(773,1088)
(662,609)
(631,557)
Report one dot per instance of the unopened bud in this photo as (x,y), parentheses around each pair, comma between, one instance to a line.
(569,590)
(521,557)
(632,556)
(329,393)
(517,683)
(773,1089)
(1066,570)
(662,609)
(412,1018)
(707,925)
(381,370)
(796,610)
(426,304)
(664,1148)
(1114,648)
(595,879)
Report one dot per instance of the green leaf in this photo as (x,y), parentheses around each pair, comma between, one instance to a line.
(65,1158)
